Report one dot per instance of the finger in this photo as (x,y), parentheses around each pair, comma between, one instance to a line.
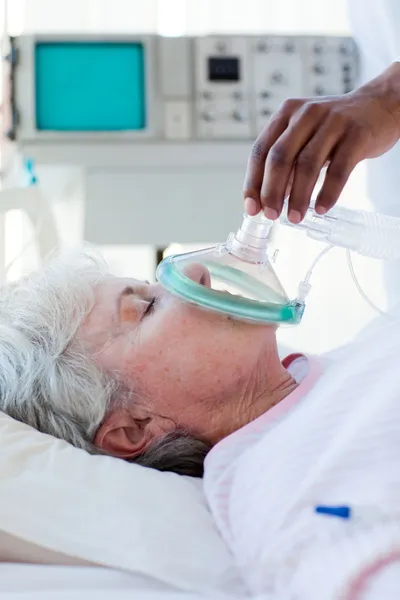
(282,156)
(308,166)
(255,166)
(345,158)
(256,163)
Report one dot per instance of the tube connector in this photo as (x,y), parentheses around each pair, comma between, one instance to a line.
(250,242)
(303,291)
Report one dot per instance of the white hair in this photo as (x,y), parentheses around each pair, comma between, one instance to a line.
(49,379)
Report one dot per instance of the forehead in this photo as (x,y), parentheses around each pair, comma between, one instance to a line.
(111,287)
(109,290)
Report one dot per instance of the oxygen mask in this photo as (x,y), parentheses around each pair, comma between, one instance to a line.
(238,279)
(235,278)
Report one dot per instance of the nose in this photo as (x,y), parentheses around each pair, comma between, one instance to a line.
(198,273)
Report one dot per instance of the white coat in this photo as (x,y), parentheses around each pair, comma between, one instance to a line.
(376,29)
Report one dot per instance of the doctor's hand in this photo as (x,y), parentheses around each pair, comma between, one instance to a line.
(307,134)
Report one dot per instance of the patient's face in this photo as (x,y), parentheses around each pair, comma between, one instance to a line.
(189,367)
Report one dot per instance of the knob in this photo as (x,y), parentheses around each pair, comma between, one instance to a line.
(12,57)
(207,116)
(10,134)
(238,116)
(318,48)
(277,77)
(344,49)
(319,69)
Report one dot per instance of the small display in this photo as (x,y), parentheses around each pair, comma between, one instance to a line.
(223,68)
(90,86)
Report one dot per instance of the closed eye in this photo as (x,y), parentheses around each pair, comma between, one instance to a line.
(150,307)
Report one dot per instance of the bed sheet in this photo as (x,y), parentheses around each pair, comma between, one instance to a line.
(40,582)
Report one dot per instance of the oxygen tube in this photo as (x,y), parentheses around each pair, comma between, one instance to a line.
(368,234)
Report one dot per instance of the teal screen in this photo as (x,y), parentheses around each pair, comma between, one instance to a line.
(90,86)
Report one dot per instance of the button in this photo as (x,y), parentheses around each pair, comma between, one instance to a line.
(237,95)
(221,47)
(265,95)
(262,47)
(207,95)
(346,68)
(289,47)
(266,112)
(319,90)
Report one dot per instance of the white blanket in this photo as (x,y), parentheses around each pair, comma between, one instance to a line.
(339,446)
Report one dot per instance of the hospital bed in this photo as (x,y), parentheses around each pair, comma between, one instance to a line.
(38,582)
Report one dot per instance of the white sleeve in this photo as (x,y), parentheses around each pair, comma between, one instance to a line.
(375,25)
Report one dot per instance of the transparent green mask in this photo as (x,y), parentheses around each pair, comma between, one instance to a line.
(235,278)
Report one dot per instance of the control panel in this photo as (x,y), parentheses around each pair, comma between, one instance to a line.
(241,82)
(135,88)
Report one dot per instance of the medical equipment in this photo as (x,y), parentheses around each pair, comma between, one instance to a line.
(131,87)
(238,278)
(169,121)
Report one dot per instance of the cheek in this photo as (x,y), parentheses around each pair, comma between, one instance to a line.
(193,353)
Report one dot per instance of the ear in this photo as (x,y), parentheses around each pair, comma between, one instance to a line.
(123,435)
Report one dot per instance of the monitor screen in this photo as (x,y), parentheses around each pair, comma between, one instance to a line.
(90,86)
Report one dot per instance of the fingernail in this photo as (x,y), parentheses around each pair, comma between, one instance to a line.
(250,206)
(271,214)
(294,216)
(320,210)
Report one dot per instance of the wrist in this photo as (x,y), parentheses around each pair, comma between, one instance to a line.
(385,89)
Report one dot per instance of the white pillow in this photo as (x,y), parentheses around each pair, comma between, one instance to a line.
(109,512)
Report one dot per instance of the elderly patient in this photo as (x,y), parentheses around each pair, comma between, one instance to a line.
(291,449)
(120,366)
